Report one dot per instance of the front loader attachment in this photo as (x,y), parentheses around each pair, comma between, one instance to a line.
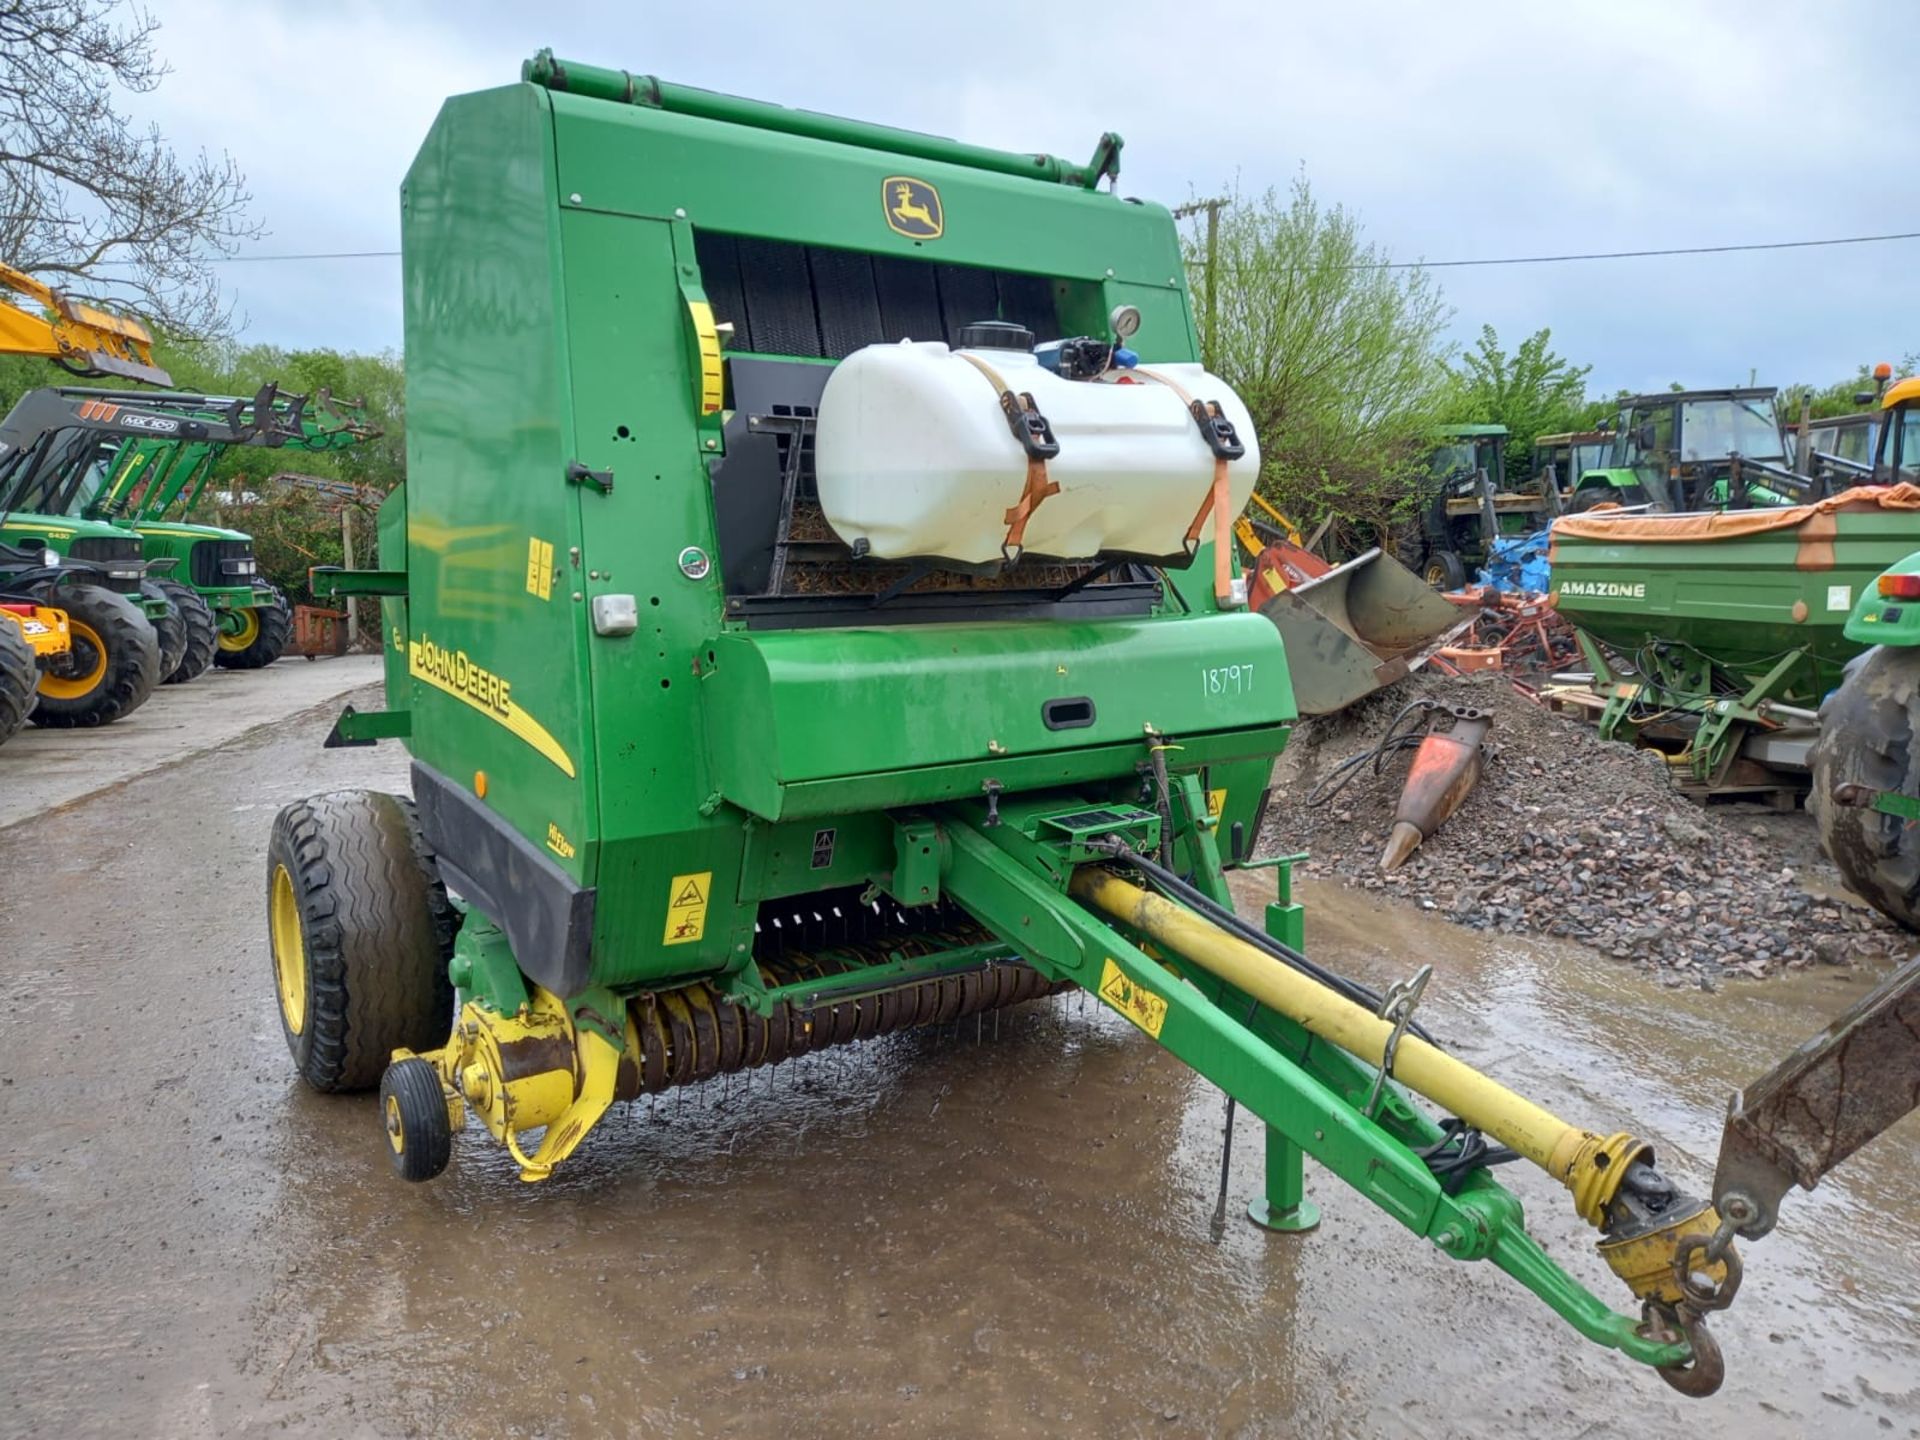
(1357,628)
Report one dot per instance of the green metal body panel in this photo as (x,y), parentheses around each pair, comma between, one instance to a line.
(1884,620)
(20,527)
(778,706)
(1607,480)
(1741,601)
(174,540)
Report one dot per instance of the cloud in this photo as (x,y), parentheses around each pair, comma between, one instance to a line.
(1499,128)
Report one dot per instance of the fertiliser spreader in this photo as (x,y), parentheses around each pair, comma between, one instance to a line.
(794,645)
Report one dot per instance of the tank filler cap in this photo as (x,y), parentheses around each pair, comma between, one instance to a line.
(995,335)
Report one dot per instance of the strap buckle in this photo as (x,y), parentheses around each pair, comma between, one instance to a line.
(1217,430)
(1028,425)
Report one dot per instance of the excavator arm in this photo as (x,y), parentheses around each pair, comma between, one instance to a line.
(81,337)
(1819,1105)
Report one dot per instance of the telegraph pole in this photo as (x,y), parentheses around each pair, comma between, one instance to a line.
(1213,208)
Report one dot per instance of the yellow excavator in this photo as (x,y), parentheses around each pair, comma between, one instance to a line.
(73,334)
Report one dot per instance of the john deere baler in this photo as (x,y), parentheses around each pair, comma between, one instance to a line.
(808,615)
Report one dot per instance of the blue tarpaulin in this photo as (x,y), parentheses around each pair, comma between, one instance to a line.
(1518,563)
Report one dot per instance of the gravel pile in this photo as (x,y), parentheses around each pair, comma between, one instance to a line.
(1568,836)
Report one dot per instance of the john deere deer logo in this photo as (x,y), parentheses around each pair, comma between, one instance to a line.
(913,207)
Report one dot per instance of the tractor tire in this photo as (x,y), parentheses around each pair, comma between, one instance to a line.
(1867,730)
(169,629)
(1445,570)
(19,675)
(360,932)
(265,641)
(115,660)
(413,1108)
(202,632)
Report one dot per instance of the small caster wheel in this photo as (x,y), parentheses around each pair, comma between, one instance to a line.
(414,1110)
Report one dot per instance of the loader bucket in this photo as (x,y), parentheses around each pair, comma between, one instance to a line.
(1360,626)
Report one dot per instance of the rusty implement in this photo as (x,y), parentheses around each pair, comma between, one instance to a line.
(1819,1105)
(1445,768)
(1358,627)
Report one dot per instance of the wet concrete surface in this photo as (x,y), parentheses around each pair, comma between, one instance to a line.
(948,1234)
(44,769)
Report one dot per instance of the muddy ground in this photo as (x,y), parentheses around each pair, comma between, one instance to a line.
(1572,837)
(937,1234)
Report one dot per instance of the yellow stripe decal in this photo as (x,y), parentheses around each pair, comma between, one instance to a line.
(712,377)
(476,686)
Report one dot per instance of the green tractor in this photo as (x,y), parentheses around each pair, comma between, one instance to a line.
(788,654)
(155,485)
(1866,763)
(1560,460)
(94,576)
(1689,450)
(110,458)
(1464,505)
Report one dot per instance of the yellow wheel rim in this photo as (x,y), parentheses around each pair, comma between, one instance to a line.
(245,630)
(396,1132)
(78,685)
(289,951)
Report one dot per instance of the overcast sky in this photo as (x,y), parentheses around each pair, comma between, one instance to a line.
(1455,131)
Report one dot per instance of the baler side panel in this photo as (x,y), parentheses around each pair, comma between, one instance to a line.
(633,413)
(496,675)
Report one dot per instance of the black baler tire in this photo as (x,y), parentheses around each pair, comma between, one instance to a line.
(412,1088)
(276,630)
(170,629)
(1867,737)
(133,658)
(375,933)
(19,677)
(202,632)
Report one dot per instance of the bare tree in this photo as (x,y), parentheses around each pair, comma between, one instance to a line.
(84,193)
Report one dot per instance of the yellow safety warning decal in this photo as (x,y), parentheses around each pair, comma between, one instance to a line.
(1141,1006)
(687,907)
(478,687)
(539,567)
(1216,801)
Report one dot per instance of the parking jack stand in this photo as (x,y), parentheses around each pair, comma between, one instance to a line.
(1285,1206)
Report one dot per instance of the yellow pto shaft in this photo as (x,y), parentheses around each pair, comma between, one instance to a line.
(1590,1165)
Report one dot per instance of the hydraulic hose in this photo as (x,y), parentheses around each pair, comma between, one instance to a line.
(1174,887)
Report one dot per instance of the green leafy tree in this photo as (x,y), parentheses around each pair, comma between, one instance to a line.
(1337,356)
(1532,392)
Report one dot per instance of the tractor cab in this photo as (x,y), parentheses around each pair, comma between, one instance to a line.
(1560,460)
(1695,450)
(1896,454)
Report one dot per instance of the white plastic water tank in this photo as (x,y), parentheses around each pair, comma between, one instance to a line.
(914,456)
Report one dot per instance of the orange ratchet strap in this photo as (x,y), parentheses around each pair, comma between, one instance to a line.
(1035,435)
(1217,430)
